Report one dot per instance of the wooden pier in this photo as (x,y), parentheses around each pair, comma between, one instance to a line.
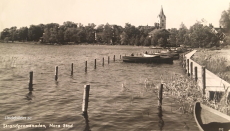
(213,83)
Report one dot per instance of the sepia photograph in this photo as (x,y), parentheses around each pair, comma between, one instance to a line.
(114,65)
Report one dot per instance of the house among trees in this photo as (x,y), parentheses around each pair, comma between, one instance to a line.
(220,32)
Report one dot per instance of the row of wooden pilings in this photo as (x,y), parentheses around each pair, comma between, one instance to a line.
(86,87)
(193,74)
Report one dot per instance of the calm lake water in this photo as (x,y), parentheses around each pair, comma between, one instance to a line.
(122,95)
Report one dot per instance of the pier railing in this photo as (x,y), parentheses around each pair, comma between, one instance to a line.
(207,81)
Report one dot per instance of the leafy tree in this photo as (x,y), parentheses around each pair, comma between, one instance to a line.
(132,40)
(144,30)
(153,41)
(142,39)
(147,41)
(35,32)
(53,35)
(161,41)
(68,34)
(107,33)
(131,30)
(100,28)
(137,41)
(81,35)
(202,36)
(173,37)
(5,33)
(60,35)
(6,39)
(23,33)
(226,40)
(158,34)
(124,38)
(225,19)
(13,33)
(90,33)
(69,24)
(117,30)
(183,30)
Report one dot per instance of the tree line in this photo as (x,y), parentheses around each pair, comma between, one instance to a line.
(198,35)
(71,32)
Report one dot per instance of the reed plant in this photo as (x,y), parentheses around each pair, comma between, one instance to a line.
(186,92)
(183,90)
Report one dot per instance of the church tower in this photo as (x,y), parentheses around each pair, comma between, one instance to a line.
(162,19)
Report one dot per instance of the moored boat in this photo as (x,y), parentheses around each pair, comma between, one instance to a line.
(209,119)
(171,54)
(163,54)
(142,59)
(151,55)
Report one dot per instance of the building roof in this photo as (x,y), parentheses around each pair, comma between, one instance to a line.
(221,30)
(157,30)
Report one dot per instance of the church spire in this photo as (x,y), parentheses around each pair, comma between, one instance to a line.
(162,18)
(162,13)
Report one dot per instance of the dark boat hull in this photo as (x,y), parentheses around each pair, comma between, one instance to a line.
(208,119)
(174,55)
(136,59)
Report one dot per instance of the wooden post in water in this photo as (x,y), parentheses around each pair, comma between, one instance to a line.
(160,95)
(108,59)
(95,63)
(114,58)
(85,66)
(85,98)
(103,60)
(31,81)
(191,69)
(196,78)
(203,79)
(188,67)
(72,69)
(56,73)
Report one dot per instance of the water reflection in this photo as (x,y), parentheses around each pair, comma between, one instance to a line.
(56,83)
(87,128)
(161,121)
(29,96)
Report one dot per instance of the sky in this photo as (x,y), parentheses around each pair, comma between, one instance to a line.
(23,13)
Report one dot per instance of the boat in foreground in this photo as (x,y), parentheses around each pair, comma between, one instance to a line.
(209,119)
(142,59)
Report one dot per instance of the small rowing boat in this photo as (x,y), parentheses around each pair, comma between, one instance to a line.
(209,119)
